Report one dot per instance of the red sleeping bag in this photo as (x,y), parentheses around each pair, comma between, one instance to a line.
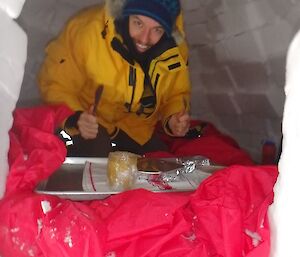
(211,143)
(225,216)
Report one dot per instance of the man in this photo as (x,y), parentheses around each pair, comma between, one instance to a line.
(126,50)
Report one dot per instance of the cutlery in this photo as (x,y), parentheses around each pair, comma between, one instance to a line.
(98,94)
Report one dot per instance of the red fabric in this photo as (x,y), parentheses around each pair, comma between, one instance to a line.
(212,144)
(216,220)
(31,141)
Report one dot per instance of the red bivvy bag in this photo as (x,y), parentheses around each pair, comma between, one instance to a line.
(225,216)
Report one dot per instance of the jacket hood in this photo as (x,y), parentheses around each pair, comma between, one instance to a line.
(115,7)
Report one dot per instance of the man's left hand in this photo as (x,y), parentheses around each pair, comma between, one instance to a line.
(179,123)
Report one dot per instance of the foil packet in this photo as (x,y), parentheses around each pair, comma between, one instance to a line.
(160,170)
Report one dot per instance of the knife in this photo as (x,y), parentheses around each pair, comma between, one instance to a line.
(98,94)
(185,104)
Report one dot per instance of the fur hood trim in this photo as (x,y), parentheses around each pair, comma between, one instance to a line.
(115,7)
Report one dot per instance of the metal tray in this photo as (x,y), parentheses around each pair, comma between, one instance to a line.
(67,181)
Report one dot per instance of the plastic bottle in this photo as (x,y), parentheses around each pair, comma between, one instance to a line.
(268,153)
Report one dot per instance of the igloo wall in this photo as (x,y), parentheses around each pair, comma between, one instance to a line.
(284,212)
(13,45)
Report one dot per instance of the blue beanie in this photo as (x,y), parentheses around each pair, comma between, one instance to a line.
(164,12)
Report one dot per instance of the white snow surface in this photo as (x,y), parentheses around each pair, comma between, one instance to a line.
(284,213)
(13,54)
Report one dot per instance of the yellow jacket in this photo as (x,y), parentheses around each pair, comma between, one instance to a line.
(82,57)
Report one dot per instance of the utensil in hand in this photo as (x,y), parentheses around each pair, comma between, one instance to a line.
(185,104)
(98,94)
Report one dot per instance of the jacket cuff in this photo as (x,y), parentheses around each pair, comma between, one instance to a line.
(70,125)
(72,121)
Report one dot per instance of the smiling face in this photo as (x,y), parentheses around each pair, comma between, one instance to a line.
(144,31)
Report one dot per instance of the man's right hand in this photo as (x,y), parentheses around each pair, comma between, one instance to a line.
(88,125)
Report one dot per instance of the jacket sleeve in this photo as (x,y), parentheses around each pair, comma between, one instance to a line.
(62,74)
(177,98)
